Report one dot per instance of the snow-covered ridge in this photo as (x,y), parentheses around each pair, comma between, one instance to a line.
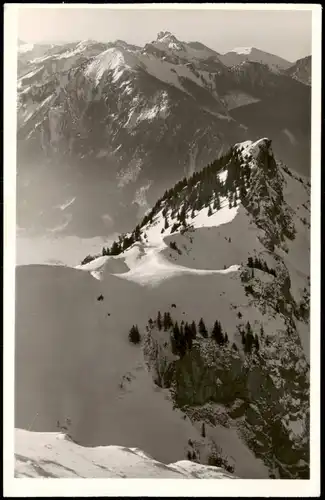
(54,455)
(242,50)
(253,148)
(145,260)
(146,263)
(111,59)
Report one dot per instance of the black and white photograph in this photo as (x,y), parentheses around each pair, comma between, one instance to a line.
(162,200)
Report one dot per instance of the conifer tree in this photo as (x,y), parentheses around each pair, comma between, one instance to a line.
(115,248)
(177,338)
(249,338)
(193,329)
(165,322)
(202,328)
(188,336)
(159,323)
(226,338)
(209,211)
(250,262)
(203,430)
(169,320)
(182,328)
(134,335)
(182,345)
(217,333)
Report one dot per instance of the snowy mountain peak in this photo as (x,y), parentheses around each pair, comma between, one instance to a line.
(240,54)
(166,38)
(242,50)
(254,148)
(164,35)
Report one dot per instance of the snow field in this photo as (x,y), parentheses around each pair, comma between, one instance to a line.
(45,454)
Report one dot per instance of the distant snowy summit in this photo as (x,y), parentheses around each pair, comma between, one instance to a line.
(242,50)
(252,54)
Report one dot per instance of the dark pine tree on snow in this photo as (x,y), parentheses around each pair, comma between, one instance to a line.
(217,333)
(134,335)
(202,328)
(188,336)
(159,322)
(193,330)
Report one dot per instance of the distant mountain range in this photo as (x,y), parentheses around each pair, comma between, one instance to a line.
(112,125)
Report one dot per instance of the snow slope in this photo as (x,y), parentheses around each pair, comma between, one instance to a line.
(45,454)
(74,359)
(146,262)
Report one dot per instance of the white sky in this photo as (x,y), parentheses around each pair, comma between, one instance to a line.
(284,33)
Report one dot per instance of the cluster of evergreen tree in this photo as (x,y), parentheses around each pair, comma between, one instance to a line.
(134,335)
(123,243)
(183,334)
(218,335)
(186,197)
(191,455)
(216,460)
(182,337)
(257,263)
(249,340)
